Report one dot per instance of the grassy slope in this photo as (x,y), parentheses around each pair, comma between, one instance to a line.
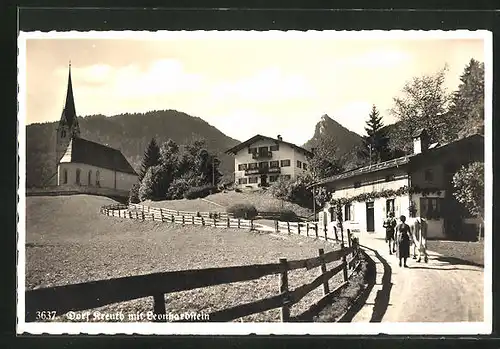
(68,241)
(263,201)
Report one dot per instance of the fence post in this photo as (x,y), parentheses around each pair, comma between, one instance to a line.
(129,215)
(285,309)
(298,227)
(152,216)
(324,229)
(136,215)
(344,260)
(183,220)
(349,237)
(326,236)
(238,223)
(215,222)
(172,218)
(192,219)
(288,226)
(119,214)
(316,229)
(251,224)
(276,225)
(143,215)
(159,307)
(326,289)
(228,222)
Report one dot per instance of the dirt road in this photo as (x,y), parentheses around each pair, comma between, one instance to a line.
(443,290)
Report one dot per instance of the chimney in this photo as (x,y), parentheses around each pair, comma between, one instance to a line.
(280,138)
(420,141)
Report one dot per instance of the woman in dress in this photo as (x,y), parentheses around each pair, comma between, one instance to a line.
(403,239)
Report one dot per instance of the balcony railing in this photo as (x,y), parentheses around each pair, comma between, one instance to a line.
(262,170)
(262,155)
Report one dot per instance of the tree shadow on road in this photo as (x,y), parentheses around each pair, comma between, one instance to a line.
(456,261)
(444,268)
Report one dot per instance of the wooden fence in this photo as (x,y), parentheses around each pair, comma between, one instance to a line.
(62,299)
(149,209)
(141,212)
(171,216)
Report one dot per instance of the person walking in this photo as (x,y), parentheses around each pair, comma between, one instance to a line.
(404,241)
(390,226)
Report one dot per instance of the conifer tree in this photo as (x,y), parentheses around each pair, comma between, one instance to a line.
(375,143)
(152,157)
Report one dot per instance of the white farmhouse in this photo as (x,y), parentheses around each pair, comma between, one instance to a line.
(82,163)
(261,160)
(419,184)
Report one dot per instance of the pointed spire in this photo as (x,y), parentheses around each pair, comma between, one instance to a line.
(69,112)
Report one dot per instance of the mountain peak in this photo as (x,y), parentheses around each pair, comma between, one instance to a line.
(327,127)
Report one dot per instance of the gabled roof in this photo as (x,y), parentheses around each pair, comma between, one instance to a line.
(394,162)
(234,150)
(367,169)
(96,154)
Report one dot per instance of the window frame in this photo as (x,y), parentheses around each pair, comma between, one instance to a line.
(299,164)
(285,163)
(436,212)
(242,180)
(78,176)
(251,180)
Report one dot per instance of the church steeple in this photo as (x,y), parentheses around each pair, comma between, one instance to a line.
(68,124)
(68,117)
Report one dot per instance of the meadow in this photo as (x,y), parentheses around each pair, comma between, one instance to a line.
(69,241)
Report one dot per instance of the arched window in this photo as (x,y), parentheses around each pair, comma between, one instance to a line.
(65,176)
(97,179)
(77,176)
(90,177)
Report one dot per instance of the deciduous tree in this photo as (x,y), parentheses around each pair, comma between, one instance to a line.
(422,104)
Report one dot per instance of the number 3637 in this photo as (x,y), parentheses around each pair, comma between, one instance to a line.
(45,315)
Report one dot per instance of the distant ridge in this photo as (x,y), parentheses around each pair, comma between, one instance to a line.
(130,133)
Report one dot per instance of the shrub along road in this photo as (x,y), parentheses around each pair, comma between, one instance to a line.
(443,290)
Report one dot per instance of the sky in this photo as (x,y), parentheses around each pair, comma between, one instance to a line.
(241,85)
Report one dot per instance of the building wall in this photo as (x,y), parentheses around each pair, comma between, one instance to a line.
(418,177)
(285,152)
(107,178)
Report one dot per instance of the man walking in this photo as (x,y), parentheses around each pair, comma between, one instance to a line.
(390,225)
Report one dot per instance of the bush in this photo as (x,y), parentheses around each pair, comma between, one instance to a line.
(288,216)
(284,215)
(200,192)
(134,194)
(178,188)
(245,211)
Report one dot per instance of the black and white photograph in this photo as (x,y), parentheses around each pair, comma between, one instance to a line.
(267,182)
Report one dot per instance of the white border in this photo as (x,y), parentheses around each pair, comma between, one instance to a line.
(234,328)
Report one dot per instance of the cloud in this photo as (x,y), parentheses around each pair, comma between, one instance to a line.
(269,84)
(166,76)
(379,58)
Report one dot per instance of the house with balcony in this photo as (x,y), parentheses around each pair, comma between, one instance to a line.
(262,160)
(415,185)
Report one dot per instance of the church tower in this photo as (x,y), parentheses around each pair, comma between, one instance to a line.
(68,125)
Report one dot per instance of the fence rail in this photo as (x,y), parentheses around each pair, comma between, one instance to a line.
(89,295)
(147,213)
